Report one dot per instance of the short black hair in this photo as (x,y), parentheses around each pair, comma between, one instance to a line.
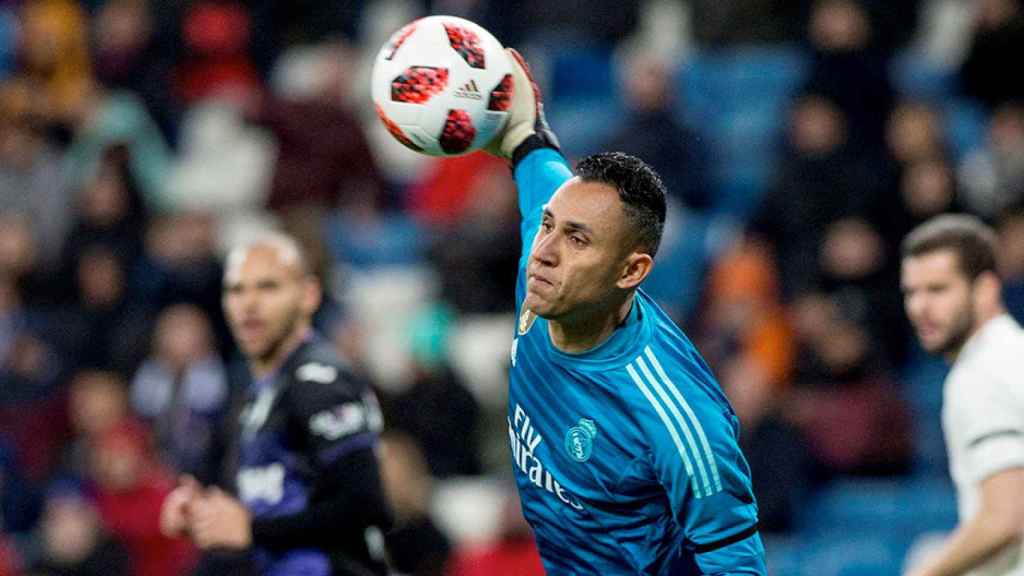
(973,242)
(640,189)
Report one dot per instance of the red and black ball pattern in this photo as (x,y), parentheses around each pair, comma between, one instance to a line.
(418,84)
(467,44)
(399,38)
(395,130)
(458,133)
(501,96)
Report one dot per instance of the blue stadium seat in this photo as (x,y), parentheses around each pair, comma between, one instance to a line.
(738,100)
(923,377)
(836,553)
(582,101)
(904,507)
(914,77)
(583,125)
(581,72)
(966,125)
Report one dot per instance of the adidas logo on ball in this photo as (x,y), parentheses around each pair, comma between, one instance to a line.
(469,90)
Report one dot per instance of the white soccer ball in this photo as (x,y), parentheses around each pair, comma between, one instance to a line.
(442,86)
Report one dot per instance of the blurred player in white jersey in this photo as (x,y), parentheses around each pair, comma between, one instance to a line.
(952,295)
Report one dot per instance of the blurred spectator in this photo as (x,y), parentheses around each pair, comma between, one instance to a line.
(31,184)
(97,401)
(743,329)
(450,444)
(117,120)
(129,54)
(820,180)
(279,25)
(845,402)
(130,489)
(652,131)
(182,265)
(914,132)
(30,369)
(73,540)
(746,337)
(1011,259)
(738,22)
(857,269)
(849,69)
(20,262)
(55,60)
(926,188)
(29,359)
(323,158)
(224,164)
(447,187)
(998,31)
(477,255)
(182,390)
(106,325)
(920,181)
(215,62)
(110,211)
(416,546)
(513,552)
(780,463)
(993,177)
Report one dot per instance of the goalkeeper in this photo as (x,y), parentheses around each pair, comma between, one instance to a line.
(624,447)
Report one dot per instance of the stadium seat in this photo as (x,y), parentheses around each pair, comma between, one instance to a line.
(966,125)
(915,77)
(581,100)
(922,379)
(903,507)
(581,72)
(838,554)
(738,101)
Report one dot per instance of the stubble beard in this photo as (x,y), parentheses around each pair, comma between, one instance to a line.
(279,341)
(960,331)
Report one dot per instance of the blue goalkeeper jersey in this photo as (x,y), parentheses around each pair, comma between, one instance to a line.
(626,456)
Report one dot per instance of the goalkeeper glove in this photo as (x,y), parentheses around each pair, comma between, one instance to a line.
(526,129)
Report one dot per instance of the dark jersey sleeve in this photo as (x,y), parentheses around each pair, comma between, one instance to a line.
(334,421)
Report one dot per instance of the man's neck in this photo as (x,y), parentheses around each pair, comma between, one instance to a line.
(980,322)
(261,367)
(590,332)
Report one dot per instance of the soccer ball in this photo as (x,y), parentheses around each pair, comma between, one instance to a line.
(442,86)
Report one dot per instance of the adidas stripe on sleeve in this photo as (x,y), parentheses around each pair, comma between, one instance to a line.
(694,449)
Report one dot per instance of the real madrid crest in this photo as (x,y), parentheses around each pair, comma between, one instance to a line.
(579,440)
(526,318)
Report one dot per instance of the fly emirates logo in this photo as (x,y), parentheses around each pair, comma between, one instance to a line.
(525,439)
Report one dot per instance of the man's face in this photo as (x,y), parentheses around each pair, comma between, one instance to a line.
(938,298)
(578,252)
(266,298)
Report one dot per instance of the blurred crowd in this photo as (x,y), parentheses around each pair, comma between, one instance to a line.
(139,138)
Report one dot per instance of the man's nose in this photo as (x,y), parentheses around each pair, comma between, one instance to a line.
(546,250)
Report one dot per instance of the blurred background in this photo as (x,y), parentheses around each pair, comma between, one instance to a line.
(800,140)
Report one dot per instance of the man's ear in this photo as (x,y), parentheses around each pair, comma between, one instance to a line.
(637,266)
(312,293)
